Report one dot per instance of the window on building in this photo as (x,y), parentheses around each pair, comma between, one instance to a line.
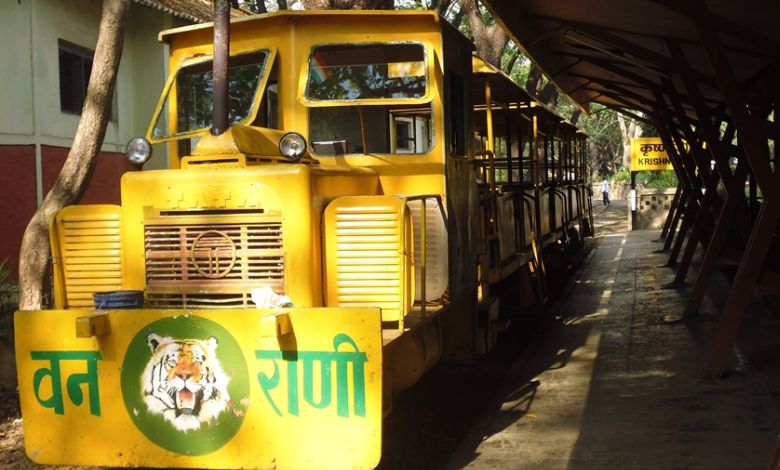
(75,67)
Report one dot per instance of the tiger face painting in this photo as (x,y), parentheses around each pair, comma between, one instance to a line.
(184,381)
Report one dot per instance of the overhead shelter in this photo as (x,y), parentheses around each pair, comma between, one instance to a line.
(706,74)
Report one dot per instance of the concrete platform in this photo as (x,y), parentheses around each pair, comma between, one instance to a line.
(613,386)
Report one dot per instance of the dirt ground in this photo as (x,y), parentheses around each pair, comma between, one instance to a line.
(11,436)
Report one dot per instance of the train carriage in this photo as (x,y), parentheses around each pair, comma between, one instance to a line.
(260,303)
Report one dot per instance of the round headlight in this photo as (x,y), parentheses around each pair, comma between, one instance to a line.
(138,150)
(292,145)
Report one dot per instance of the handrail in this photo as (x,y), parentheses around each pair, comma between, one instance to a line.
(423,242)
(491,176)
(566,211)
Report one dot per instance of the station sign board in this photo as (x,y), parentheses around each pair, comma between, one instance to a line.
(649,153)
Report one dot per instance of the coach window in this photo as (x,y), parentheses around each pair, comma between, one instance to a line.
(359,95)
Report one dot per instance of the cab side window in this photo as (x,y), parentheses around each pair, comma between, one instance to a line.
(268,114)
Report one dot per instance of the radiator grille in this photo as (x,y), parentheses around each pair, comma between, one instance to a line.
(195,300)
(212,265)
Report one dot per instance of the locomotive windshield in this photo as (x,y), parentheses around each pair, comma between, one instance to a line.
(366,71)
(350,88)
(194,85)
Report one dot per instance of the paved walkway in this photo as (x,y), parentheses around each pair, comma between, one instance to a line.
(611,386)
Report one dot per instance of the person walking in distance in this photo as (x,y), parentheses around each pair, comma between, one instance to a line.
(605,191)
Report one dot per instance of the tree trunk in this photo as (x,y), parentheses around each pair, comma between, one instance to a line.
(514,55)
(348,4)
(259,6)
(628,130)
(77,170)
(489,40)
(441,6)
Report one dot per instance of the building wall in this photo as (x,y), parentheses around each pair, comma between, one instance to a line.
(653,207)
(104,187)
(16,94)
(35,134)
(17,197)
(31,87)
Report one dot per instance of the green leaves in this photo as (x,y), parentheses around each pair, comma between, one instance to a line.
(8,286)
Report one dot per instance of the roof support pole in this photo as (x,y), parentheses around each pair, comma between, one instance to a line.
(688,199)
(670,214)
(676,151)
(680,195)
(749,135)
(697,233)
(764,229)
(718,241)
(615,87)
(710,200)
(686,129)
(508,117)
(742,288)
(734,184)
(677,209)
(627,101)
(628,113)
(673,142)
(689,212)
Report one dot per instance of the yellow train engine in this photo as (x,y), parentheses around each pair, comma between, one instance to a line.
(259,304)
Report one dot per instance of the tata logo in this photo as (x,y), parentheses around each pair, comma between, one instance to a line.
(213,254)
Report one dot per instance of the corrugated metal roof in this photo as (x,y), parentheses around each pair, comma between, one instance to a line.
(617,52)
(197,11)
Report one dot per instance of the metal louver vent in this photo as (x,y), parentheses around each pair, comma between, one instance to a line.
(209,265)
(89,252)
(366,255)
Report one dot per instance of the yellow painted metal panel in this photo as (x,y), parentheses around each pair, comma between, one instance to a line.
(291,388)
(648,153)
(368,254)
(87,253)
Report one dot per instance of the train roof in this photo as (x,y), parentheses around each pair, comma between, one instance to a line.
(505,89)
(350,14)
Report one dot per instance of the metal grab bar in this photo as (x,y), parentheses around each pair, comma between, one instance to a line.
(491,166)
(423,242)
(566,212)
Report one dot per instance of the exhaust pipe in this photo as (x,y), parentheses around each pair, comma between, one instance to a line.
(219,111)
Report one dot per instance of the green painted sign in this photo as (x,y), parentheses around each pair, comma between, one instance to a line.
(52,373)
(343,361)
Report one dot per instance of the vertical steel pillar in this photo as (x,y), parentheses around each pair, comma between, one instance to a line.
(220,63)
